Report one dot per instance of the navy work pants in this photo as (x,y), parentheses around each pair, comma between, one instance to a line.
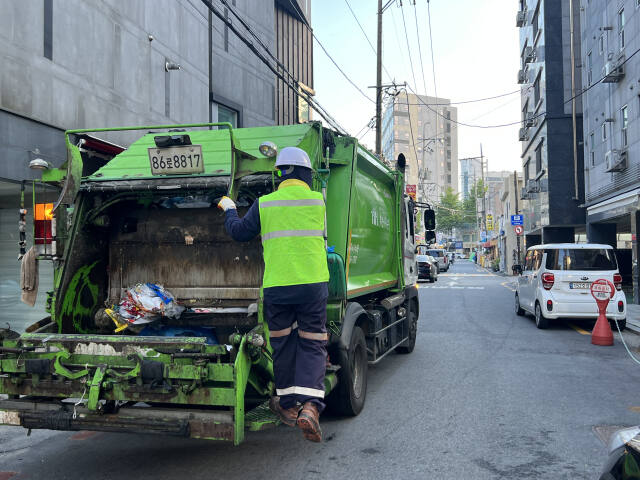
(298,337)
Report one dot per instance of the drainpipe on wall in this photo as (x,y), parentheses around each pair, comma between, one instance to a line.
(576,195)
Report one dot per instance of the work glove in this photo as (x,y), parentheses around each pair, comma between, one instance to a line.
(226,203)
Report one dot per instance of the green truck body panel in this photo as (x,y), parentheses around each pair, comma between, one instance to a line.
(112,232)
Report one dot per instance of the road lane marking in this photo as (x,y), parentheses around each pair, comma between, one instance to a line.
(442,287)
(579,330)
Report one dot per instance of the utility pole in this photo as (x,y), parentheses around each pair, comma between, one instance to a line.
(484,191)
(516,195)
(379,84)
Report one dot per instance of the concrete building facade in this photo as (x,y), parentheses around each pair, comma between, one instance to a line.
(107,63)
(552,161)
(423,128)
(610,35)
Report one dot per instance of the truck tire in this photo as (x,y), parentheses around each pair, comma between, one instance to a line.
(349,396)
(412,315)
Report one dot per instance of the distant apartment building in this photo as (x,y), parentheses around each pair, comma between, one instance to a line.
(551,130)
(106,64)
(423,128)
(470,173)
(610,35)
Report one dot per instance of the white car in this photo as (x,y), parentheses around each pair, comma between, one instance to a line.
(556,279)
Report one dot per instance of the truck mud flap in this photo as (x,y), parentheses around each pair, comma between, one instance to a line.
(192,423)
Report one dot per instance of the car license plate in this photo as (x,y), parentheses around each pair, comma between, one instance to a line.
(177,160)
(579,285)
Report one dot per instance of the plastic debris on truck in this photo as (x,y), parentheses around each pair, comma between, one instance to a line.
(144,303)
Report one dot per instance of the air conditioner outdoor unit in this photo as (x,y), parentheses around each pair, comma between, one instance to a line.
(529,55)
(522,76)
(523,135)
(521,18)
(530,120)
(612,72)
(615,161)
(524,195)
(532,186)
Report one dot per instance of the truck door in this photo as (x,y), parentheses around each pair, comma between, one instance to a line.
(409,250)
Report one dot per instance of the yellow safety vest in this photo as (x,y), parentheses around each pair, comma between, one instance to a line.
(292,230)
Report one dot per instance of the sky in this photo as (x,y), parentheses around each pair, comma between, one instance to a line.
(475,51)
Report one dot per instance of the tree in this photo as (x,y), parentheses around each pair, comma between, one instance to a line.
(449,212)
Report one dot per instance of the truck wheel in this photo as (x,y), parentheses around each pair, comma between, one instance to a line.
(351,391)
(413,330)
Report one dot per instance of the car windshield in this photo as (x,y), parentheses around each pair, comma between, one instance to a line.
(581,259)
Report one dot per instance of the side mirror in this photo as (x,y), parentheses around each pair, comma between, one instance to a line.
(516,269)
(429,219)
(429,236)
(401,163)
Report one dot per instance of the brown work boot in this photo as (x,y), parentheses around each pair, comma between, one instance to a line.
(309,422)
(288,416)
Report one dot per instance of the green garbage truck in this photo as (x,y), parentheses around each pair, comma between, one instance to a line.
(146,215)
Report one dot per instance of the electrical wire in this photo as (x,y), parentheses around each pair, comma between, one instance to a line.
(304,20)
(406,36)
(474,100)
(625,344)
(424,78)
(312,102)
(367,37)
(541,114)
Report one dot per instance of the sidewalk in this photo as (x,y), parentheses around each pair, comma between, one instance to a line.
(633,317)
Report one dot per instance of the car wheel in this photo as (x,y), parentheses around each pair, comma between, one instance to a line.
(621,323)
(541,321)
(519,310)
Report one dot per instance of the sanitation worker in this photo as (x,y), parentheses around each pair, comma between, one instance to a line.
(291,222)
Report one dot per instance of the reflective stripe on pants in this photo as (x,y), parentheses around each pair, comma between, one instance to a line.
(299,362)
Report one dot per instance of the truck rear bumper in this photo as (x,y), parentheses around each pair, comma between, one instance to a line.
(193,423)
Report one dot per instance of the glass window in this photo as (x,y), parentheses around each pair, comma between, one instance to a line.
(536,260)
(526,171)
(227,115)
(621,28)
(604,131)
(536,90)
(528,261)
(624,120)
(591,145)
(601,43)
(534,24)
(589,68)
(581,259)
(539,158)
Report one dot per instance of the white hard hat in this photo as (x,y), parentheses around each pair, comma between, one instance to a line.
(293,156)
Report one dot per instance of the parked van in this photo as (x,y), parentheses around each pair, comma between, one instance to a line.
(556,279)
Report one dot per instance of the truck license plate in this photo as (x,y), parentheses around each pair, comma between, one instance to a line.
(176,160)
(579,285)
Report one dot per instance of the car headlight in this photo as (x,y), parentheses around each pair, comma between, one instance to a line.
(622,437)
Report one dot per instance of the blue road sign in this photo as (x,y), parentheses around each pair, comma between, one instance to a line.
(516,220)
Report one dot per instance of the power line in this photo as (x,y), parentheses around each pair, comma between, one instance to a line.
(541,114)
(484,99)
(313,103)
(406,36)
(424,79)
(367,37)
(332,60)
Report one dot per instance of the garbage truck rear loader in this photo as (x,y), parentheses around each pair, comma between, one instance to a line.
(146,215)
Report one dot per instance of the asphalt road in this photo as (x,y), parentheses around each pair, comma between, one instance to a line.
(485,395)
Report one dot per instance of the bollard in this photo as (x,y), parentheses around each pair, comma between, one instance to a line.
(602,291)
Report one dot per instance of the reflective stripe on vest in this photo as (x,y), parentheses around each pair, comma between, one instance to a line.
(292,231)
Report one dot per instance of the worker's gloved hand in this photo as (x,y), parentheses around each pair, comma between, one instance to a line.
(226,203)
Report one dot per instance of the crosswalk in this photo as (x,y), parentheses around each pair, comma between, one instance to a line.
(452,287)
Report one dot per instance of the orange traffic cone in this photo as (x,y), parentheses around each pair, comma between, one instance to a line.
(602,334)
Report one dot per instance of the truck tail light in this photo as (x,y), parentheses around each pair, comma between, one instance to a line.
(547,280)
(42,223)
(617,281)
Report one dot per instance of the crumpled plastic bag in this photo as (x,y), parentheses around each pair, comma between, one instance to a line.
(144,303)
